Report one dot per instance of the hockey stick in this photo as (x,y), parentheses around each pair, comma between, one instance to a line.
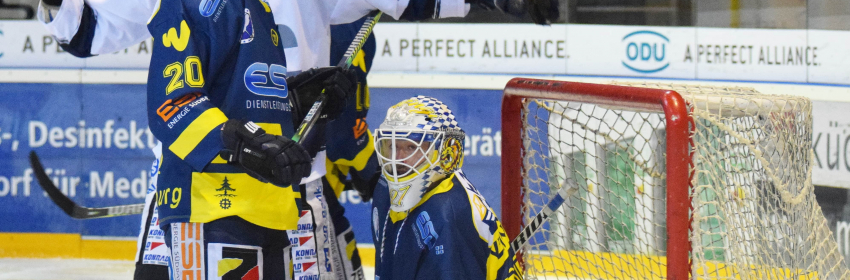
(541,217)
(79,212)
(347,59)
(71,208)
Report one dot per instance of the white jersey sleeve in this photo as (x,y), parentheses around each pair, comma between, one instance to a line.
(346,11)
(119,23)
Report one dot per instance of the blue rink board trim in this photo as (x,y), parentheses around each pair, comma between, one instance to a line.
(111,166)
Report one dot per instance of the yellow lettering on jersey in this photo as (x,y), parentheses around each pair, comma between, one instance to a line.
(398,195)
(498,252)
(178,41)
(176,195)
(479,206)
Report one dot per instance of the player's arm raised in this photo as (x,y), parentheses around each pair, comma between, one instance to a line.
(87,28)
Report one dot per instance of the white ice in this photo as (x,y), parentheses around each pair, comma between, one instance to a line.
(77,269)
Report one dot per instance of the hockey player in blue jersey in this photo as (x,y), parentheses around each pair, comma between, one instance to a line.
(428,221)
(228,188)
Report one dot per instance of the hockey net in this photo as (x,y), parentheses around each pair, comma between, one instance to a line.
(673,182)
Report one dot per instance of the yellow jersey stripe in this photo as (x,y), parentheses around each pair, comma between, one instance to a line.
(197,130)
(155,11)
(271,128)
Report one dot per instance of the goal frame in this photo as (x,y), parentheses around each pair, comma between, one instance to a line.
(679,161)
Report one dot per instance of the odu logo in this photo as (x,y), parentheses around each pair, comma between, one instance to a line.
(266,80)
(645,51)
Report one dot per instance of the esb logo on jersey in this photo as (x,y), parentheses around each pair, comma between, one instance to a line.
(266,79)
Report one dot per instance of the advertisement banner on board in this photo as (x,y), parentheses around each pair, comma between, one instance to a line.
(701,53)
(27,44)
(630,51)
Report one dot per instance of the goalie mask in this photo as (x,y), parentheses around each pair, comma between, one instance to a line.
(418,144)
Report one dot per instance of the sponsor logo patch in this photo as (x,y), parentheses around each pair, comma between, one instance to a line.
(235,262)
(645,51)
(360,127)
(266,80)
(187,241)
(424,230)
(208,7)
(179,42)
(172,111)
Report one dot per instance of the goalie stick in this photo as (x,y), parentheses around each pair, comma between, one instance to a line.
(80,212)
(536,222)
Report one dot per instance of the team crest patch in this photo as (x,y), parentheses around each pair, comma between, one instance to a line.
(275,37)
(451,156)
(225,201)
(247,28)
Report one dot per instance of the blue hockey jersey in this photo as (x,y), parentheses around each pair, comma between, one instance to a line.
(451,234)
(214,60)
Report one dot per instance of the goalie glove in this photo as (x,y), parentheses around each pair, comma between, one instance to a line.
(268,158)
(339,85)
(542,12)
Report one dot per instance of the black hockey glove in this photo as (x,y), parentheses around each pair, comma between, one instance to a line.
(541,11)
(266,157)
(339,85)
(54,3)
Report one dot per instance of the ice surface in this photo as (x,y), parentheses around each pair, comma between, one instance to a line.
(77,269)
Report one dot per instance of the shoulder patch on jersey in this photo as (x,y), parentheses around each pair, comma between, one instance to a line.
(483,217)
(247,28)
(275,37)
(426,236)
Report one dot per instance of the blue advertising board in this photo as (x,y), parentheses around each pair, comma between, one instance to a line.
(94,142)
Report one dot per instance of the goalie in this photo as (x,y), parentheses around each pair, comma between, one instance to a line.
(429,222)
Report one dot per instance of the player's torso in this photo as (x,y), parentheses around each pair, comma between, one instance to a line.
(454,229)
(408,247)
(246,79)
(243,75)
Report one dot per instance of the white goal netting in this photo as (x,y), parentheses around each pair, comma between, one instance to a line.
(753,210)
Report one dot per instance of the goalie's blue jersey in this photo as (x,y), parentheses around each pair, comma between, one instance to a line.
(214,60)
(451,234)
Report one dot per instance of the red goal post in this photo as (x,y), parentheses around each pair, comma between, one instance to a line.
(678,159)
(664,181)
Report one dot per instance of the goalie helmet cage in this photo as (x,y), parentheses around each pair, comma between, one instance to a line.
(714,183)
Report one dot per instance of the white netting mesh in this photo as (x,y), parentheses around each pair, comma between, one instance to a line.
(754,211)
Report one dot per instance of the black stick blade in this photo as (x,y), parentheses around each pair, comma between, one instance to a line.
(47,185)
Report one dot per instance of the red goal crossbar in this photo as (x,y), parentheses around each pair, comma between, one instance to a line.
(678,160)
